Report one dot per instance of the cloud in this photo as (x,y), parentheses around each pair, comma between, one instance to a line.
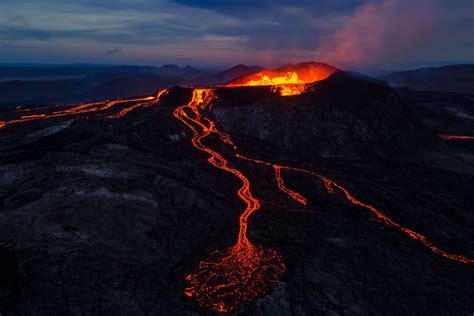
(113,51)
(268,32)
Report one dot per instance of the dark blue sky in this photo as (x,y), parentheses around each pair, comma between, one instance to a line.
(349,33)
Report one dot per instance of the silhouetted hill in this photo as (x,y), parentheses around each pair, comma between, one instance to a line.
(228,75)
(13,93)
(186,72)
(453,78)
(342,116)
(97,87)
(130,86)
(82,71)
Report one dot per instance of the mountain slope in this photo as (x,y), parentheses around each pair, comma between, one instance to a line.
(454,78)
(340,117)
(130,86)
(109,214)
(13,93)
(228,75)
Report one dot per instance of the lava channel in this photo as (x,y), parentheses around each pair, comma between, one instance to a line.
(331,186)
(230,277)
(86,108)
(451,137)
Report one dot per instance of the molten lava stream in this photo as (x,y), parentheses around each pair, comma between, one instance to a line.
(241,273)
(75,110)
(330,185)
(281,185)
(451,137)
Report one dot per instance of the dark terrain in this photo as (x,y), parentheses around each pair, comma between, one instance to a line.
(451,78)
(32,86)
(107,216)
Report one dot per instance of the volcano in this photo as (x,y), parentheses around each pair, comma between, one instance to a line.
(295,191)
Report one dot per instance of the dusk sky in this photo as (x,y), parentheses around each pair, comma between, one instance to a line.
(347,33)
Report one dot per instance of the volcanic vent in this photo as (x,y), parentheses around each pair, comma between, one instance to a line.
(288,80)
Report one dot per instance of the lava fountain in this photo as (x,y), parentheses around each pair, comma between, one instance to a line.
(230,277)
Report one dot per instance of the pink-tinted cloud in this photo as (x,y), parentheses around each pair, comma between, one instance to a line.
(388,31)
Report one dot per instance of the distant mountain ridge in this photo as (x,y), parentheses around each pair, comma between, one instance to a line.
(78,83)
(229,74)
(79,71)
(451,78)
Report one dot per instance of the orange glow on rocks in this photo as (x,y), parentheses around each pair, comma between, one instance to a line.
(229,277)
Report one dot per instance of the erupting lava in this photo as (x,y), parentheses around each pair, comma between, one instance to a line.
(288,80)
(451,137)
(286,85)
(236,275)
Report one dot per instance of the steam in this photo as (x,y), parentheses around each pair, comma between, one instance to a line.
(387,31)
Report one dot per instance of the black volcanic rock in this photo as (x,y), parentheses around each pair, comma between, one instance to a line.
(340,117)
(102,216)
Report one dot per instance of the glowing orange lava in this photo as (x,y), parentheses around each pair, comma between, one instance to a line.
(125,111)
(288,80)
(76,110)
(285,85)
(281,185)
(241,273)
(451,137)
(330,185)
